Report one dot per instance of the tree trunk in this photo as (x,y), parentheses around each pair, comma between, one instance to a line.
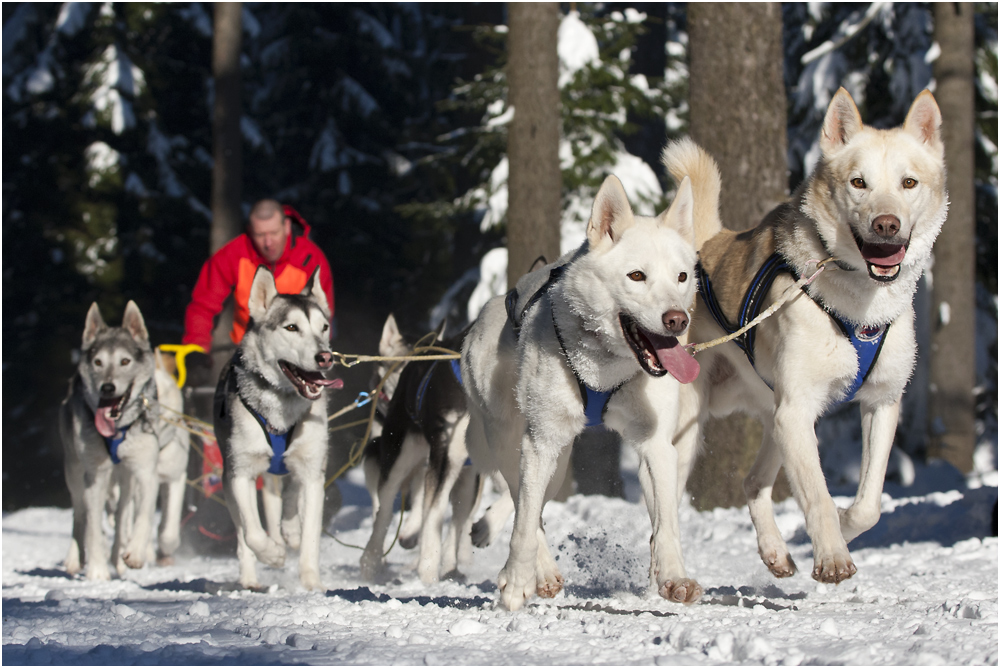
(738,114)
(227,151)
(952,359)
(534,185)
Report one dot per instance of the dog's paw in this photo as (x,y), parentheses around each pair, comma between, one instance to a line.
(833,569)
(72,563)
(515,589)
(550,585)
(291,532)
(98,573)
(371,564)
(481,533)
(164,560)
(310,580)
(780,566)
(272,554)
(409,542)
(681,590)
(134,559)
(428,570)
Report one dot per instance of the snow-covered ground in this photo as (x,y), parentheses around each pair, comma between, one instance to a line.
(925,593)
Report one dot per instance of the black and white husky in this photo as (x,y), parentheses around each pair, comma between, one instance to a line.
(117,448)
(422,440)
(270,420)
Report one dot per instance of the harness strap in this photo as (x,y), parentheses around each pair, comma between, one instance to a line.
(278,442)
(456,371)
(867,341)
(113,442)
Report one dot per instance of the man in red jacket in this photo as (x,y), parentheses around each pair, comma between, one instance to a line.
(276,236)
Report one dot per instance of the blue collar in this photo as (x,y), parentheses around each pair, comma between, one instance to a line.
(867,341)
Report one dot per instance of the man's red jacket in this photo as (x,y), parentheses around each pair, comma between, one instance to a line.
(232,268)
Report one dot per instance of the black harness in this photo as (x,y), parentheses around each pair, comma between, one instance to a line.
(867,341)
(595,402)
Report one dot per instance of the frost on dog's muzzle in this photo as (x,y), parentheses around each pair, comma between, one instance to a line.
(658,354)
(309,384)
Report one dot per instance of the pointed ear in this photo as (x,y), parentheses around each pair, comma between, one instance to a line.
(133,323)
(923,121)
(442,326)
(538,263)
(262,292)
(842,122)
(612,214)
(680,215)
(391,340)
(314,289)
(92,325)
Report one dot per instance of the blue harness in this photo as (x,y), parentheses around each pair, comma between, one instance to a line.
(278,442)
(456,370)
(113,442)
(595,402)
(867,341)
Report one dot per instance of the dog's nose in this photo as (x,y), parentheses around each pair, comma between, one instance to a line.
(675,321)
(886,226)
(108,389)
(324,360)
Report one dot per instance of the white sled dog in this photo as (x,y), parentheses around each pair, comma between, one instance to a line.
(270,420)
(875,202)
(117,448)
(605,322)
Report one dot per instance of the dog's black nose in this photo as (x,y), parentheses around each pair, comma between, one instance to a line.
(324,360)
(108,389)
(886,226)
(675,321)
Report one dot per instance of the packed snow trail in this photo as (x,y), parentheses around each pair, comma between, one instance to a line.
(925,593)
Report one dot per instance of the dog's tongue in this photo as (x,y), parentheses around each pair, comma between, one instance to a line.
(674,358)
(332,383)
(102,420)
(884,255)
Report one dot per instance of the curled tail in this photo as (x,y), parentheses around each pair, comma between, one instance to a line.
(685,158)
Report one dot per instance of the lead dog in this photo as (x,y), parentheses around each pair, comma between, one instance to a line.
(607,317)
(270,420)
(875,202)
(117,449)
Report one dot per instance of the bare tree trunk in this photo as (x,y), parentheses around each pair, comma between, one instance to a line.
(227,151)
(535,183)
(738,114)
(952,358)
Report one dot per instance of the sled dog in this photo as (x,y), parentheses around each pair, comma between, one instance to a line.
(270,420)
(116,447)
(423,439)
(606,320)
(875,202)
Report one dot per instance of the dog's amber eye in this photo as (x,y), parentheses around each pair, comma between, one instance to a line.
(909,183)
(637,276)
(683,276)
(125,362)
(291,328)
(98,363)
(858,183)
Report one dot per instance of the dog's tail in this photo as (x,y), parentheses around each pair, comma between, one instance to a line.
(685,158)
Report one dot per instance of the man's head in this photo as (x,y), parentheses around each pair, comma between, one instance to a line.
(268,228)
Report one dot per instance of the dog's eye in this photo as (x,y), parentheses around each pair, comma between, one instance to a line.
(682,277)
(637,276)
(125,362)
(909,183)
(98,363)
(326,327)
(858,183)
(291,328)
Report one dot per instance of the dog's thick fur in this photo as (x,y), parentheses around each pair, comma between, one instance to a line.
(278,373)
(876,202)
(423,440)
(115,388)
(525,406)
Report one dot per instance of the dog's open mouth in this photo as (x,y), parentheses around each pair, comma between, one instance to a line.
(109,411)
(310,384)
(883,260)
(658,354)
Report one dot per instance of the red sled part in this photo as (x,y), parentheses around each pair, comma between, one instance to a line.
(211,470)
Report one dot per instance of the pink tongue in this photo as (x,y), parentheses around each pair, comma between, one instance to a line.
(105,425)
(333,384)
(675,359)
(884,255)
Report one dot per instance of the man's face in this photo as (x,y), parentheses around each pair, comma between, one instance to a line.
(269,236)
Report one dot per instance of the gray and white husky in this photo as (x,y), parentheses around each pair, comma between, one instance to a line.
(117,448)
(270,420)
(610,317)
(875,202)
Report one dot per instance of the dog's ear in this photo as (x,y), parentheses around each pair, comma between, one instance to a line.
(612,214)
(262,293)
(442,326)
(92,326)
(391,341)
(923,121)
(314,289)
(538,263)
(842,122)
(133,323)
(680,215)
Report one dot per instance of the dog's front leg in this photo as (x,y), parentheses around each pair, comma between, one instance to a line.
(796,437)
(243,493)
(878,428)
(758,487)
(409,534)
(171,508)
(271,497)
(311,514)
(95,493)
(518,581)
(144,451)
(124,515)
(448,455)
